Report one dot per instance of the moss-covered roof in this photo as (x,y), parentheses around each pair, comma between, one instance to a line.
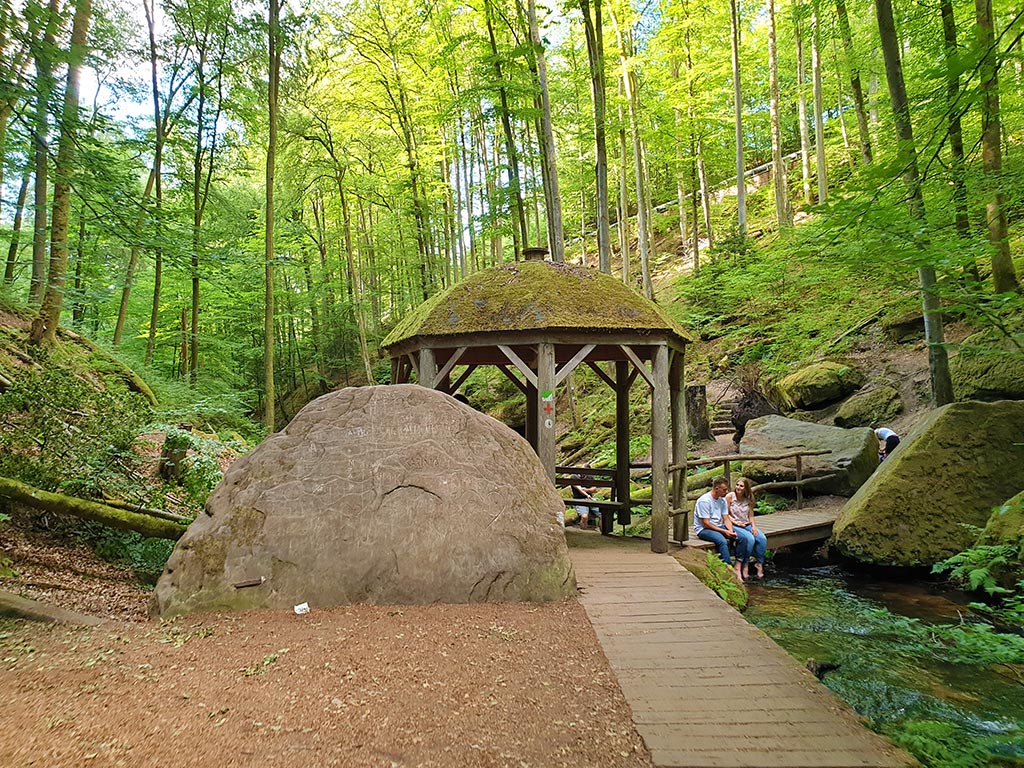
(531,296)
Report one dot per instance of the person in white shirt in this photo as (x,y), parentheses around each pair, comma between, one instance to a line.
(887,441)
(711,521)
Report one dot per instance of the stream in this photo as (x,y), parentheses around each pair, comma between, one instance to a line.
(944,700)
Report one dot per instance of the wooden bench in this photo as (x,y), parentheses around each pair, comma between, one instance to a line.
(588,477)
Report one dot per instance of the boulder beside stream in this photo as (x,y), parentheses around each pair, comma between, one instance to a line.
(386,494)
(958,463)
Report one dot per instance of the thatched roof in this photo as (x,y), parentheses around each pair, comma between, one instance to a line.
(534,296)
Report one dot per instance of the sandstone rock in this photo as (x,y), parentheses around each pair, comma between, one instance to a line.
(869,409)
(385,494)
(954,467)
(819,384)
(854,453)
(1006,528)
(988,367)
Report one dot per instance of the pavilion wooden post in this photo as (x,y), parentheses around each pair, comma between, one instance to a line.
(428,368)
(659,450)
(621,443)
(679,422)
(545,399)
(531,417)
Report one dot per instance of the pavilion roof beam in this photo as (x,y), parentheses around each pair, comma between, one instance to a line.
(570,366)
(517,361)
(640,367)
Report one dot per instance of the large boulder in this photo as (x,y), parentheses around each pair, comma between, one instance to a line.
(988,367)
(819,384)
(853,457)
(957,464)
(386,494)
(871,408)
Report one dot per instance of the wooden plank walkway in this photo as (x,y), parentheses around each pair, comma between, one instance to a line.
(706,688)
(784,529)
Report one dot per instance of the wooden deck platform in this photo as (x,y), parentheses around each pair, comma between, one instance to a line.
(706,688)
(784,529)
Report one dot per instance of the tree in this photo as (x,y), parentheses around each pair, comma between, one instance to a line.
(44,326)
(595,55)
(741,186)
(783,212)
(855,85)
(273,82)
(938,362)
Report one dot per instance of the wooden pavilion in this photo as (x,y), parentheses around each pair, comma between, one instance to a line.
(536,321)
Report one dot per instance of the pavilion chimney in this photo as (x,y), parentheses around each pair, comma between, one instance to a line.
(535,253)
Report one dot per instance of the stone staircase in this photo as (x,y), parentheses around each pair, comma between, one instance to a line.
(722,423)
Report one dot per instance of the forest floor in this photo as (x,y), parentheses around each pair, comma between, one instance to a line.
(363,685)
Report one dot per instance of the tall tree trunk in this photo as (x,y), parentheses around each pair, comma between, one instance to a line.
(956,141)
(43,56)
(938,362)
(19,213)
(801,84)
(783,213)
(622,220)
(1004,277)
(78,305)
(519,233)
(353,280)
(680,167)
(741,185)
(273,81)
(705,192)
(133,260)
(553,201)
(819,108)
(855,86)
(594,30)
(44,326)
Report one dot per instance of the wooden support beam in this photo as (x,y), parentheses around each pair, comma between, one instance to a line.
(640,366)
(517,361)
(601,374)
(570,366)
(428,368)
(707,460)
(622,441)
(546,407)
(512,377)
(465,375)
(677,404)
(659,451)
(447,369)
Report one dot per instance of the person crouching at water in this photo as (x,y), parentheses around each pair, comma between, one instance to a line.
(741,505)
(887,442)
(711,523)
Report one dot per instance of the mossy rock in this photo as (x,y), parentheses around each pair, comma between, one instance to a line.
(819,384)
(1006,525)
(953,468)
(867,409)
(989,367)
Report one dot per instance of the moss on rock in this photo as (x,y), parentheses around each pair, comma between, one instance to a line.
(818,384)
(953,468)
(989,367)
(871,408)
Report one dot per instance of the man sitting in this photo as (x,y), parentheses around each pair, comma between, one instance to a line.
(711,521)
(584,511)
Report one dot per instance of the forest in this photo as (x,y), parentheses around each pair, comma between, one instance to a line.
(243,200)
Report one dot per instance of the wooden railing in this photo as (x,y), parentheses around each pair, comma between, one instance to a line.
(677,478)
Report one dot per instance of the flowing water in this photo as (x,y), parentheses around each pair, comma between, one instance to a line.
(952,696)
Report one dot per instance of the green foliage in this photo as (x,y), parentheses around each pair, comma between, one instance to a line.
(1009,612)
(146,557)
(201,475)
(940,744)
(60,432)
(720,578)
(979,567)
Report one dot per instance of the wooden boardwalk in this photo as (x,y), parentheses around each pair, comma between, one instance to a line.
(784,529)
(706,688)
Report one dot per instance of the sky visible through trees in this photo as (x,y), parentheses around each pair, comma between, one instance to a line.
(418,142)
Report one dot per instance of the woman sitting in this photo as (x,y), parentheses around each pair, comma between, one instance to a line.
(741,505)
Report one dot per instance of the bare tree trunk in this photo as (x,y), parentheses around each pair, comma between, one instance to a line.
(1004,277)
(680,173)
(956,141)
(19,213)
(623,217)
(938,362)
(44,326)
(44,85)
(705,192)
(783,213)
(855,86)
(819,125)
(273,81)
(801,84)
(595,53)
(741,167)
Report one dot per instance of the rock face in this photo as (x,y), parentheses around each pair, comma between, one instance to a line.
(961,461)
(387,494)
(989,367)
(870,409)
(819,384)
(854,453)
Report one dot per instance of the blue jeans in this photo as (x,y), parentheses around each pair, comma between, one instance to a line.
(720,541)
(750,544)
